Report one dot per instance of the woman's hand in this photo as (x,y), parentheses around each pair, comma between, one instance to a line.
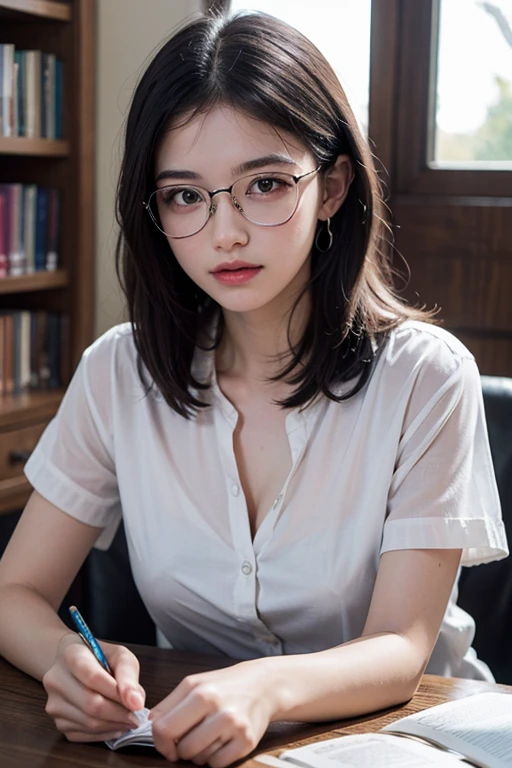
(214,717)
(86,703)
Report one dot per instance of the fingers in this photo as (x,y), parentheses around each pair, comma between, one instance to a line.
(81,664)
(226,755)
(217,740)
(126,669)
(222,737)
(213,718)
(85,706)
(171,725)
(67,728)
(206,755)
(200,739)
(189,703)
(171,701)
(72,719)
(84,700)
(123,686)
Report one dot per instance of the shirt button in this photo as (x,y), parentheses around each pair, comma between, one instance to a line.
(246,568)
(277,500)
(235,489)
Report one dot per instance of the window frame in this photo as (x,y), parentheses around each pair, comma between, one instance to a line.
(403,80)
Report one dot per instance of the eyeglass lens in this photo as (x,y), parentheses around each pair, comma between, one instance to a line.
(182,210)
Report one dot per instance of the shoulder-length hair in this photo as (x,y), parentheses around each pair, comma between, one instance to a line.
(269,71)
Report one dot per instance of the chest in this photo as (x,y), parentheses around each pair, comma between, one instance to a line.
(262,452)
(210,540)
(222,472)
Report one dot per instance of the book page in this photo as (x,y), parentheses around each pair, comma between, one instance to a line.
(367,751)
(141,736)
(479,726)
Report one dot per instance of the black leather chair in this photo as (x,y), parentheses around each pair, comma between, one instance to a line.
(485,591)
(112,603)
(115,610)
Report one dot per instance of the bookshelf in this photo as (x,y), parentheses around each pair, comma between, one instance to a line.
(49,9)
(18,145)
(65,28)
(42,281)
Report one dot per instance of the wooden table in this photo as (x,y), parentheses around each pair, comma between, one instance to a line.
(28,738)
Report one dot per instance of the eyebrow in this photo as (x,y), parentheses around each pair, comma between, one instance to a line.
(249,165)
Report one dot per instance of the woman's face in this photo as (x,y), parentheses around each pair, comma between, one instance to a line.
(243,266)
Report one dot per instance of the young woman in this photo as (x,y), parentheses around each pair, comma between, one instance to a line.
(300,459)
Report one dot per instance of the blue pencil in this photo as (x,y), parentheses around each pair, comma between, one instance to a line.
(88,638)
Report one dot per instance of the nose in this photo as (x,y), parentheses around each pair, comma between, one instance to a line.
(228,226)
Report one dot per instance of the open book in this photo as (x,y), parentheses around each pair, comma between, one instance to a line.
(476,730)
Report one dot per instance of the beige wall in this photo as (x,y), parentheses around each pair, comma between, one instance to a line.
(128,31)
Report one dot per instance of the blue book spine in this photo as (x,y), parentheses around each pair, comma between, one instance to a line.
(43,102)
(41,226)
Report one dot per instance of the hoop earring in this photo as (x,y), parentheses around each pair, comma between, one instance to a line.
(320,234)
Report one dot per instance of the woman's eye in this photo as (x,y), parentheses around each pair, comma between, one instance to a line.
(181,196)
(264,186)
(187,197)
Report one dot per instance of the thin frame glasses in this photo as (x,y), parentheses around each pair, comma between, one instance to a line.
(265,199)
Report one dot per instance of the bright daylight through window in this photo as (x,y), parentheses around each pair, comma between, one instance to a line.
(473,113)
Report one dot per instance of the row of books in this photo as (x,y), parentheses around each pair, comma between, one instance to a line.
(29,229)
(33,350)
(31,84)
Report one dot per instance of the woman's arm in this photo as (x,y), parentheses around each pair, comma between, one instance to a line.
(41,560)
(384,666)
(220,716)
(39,564)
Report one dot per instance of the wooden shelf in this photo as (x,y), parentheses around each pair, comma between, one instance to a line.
(37,281)
(29,407)
(68,30)
(47,9)
(14,494)
(18,145)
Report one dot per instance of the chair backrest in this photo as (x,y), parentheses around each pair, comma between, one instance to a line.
(485,591)
(113,606)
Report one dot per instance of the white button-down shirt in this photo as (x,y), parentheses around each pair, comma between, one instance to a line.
(403,464)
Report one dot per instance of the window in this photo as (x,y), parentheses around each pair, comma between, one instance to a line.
(473,107)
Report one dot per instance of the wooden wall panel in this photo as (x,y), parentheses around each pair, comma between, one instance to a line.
(493,353)
(460,260)
(453,227)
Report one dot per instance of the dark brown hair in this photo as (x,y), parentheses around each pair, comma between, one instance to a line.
(269,71)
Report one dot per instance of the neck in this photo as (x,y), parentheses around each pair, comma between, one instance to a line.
(255,345)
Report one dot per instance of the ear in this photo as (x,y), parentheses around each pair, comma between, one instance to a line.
(336,183)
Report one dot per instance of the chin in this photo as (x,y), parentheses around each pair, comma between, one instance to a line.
(242,303)
(242,306)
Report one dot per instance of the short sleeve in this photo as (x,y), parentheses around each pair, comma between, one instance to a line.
(443,492)
(73,465)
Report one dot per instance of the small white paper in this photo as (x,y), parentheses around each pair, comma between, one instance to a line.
(141,736)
